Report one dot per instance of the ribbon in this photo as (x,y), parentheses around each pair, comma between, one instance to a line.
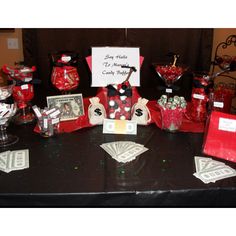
(114,92)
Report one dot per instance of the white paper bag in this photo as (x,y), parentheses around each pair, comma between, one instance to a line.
(140,112)
(96,111)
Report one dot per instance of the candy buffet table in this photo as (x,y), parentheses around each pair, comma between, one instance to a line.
(72,170)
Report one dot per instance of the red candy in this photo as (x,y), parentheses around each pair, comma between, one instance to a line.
(197,110)
(171,119)
(119,103)
(170,74)
(198,106)
(224,94)
(22,73)
(23,94)
(65,78)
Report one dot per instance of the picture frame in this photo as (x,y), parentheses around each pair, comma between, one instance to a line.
(71,106)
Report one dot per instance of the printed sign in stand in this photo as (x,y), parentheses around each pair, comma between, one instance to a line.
(107,65)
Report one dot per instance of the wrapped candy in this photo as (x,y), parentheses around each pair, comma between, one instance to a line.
(172,111)
(64,75)
(6,111)
(5,92)
(23,94)
(48,120)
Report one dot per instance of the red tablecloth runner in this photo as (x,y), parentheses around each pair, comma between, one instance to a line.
(187,125)
(83,121)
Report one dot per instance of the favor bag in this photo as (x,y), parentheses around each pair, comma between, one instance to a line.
(140,112)
(96,111)
(220,136)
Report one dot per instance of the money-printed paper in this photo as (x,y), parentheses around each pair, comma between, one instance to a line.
(14,160)
(210,171)
(124,151)
(71,106)
(3,160)
(119,126)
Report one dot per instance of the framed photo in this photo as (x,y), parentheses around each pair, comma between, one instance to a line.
(71,106)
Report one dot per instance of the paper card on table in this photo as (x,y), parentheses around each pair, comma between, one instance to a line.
(200,162)
(107,62)
(124,151)
(211,164)
(111,126)
(3,160)
(216,174)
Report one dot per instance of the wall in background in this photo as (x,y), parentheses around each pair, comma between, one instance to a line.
(220,35)
(10,56)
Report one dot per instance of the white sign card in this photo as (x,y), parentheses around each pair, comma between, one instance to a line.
(107,62)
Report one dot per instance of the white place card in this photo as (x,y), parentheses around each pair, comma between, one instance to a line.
(168,90)
(218,104)
(227,124)
(198,96)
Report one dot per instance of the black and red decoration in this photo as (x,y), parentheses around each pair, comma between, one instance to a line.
(64,75)
(198,107)
(23,91)
(120,98)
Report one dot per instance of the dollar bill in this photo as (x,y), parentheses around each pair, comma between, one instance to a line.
(123,151)
(119,126)
(211,176)
(14,160)
(3,160)
(210,171)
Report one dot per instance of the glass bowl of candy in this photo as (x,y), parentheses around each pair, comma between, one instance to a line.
(5,91)
(172,110)
(169,73)
(7,111)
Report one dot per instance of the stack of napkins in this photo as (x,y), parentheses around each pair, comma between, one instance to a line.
(14,160)
(124,151)
(209,171)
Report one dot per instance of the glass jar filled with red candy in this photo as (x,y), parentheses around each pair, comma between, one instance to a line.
(170,73)
(223,96)
(23,91)
(197,109)
(65,75)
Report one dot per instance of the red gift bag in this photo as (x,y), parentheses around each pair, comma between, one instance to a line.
(220,136)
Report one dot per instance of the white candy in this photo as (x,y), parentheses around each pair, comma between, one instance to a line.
(111,103)
(122,118)
(117,110)
(121,90)
(122,98)
(127,108)
(112,115)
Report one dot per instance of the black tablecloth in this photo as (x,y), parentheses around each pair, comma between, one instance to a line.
(71,169)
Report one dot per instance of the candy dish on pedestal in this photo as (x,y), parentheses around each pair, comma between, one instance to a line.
(170,73)
(7,112)
(23,91)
